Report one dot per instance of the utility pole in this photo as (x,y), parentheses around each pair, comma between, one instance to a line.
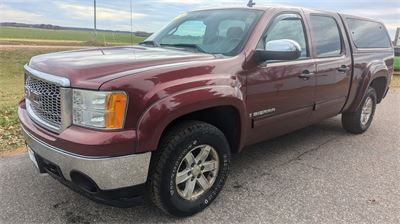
(131,25)
(95,25)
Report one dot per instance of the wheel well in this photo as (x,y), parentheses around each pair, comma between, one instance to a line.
(225,118)
(379,84)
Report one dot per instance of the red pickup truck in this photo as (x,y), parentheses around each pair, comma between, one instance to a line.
(162,119)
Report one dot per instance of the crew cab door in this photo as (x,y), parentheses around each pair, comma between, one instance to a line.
(331,50)
(280,94)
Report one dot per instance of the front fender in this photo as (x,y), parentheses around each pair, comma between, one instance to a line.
(159,115)
(375,70)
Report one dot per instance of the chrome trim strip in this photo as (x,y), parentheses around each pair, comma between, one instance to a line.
(66,108)
(61,81)
(108,173)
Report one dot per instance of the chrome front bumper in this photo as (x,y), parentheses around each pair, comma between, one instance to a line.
(108,173)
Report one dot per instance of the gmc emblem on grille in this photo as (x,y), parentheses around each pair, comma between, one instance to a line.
(33,96)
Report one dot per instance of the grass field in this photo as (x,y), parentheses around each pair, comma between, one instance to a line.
(21,34)
(11,91)
(397,63)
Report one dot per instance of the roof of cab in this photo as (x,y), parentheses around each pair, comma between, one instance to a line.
(267,7)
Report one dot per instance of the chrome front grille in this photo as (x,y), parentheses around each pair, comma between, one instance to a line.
(45,100)
(48,99)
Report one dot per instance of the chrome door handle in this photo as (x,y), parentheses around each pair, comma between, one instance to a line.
(306,75)
(343,69)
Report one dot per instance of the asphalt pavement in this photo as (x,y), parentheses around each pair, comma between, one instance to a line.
(319,174)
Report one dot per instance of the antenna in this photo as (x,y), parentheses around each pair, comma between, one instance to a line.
(131,25)
(95,22)
(251,3)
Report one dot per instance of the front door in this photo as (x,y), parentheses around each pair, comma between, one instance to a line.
(280,94)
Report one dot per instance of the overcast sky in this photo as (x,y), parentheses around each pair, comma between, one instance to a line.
(150,15)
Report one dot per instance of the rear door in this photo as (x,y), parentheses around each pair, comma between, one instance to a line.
(331,50)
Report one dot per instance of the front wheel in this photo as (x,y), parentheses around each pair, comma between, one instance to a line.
(360,120)
(190,168)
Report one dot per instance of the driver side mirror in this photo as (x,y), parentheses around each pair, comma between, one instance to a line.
(282,50)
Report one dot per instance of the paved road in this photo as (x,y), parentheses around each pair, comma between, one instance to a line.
(319,174)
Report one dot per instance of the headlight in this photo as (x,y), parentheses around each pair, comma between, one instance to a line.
(97,109)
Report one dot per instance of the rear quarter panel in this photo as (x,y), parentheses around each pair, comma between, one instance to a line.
(368,64)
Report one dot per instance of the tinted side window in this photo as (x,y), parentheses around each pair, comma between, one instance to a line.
(367,34)
(287,26)
(326,36)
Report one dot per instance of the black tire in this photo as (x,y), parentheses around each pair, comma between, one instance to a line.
(351,122)
(177,143)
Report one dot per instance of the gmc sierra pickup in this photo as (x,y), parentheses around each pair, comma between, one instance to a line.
(162,119)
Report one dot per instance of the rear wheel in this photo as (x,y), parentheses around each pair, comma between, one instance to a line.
(190,168)
(360,120)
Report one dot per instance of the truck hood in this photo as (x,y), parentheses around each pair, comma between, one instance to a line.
(85,68)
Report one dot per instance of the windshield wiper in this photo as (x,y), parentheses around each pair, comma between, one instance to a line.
(150,42)
(195,46)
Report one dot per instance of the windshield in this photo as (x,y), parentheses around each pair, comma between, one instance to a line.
(222,31)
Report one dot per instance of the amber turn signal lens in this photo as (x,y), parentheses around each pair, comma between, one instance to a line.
(115,110)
